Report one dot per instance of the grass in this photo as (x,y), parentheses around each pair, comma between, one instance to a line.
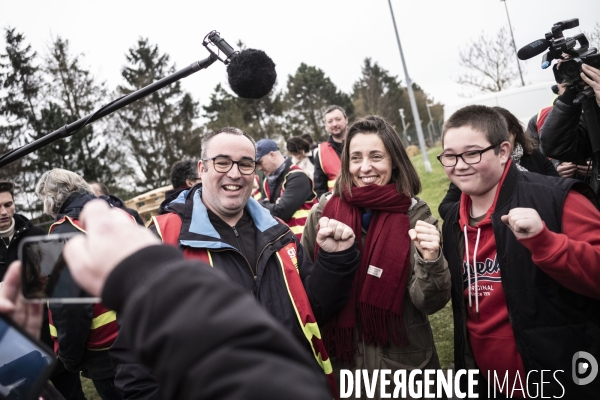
(89,390)
(435,185)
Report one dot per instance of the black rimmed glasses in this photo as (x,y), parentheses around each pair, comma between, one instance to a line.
(224,164)
(469,157)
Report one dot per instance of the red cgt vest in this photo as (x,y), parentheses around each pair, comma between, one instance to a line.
(298,220)
(330,163)
(168,227)
(103,329)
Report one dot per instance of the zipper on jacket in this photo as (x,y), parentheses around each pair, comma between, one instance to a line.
(243,256)
(263,250)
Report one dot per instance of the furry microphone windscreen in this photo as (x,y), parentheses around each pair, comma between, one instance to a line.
(251,74)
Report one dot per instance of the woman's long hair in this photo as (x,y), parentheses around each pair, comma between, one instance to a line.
(404,174)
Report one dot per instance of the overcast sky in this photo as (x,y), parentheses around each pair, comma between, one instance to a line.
(335,36)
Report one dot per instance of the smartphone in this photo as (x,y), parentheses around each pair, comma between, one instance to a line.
(25,363)
(45,276)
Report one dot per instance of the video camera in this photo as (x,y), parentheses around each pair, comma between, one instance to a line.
(561,48)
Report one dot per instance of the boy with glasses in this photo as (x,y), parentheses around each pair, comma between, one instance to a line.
(524,254)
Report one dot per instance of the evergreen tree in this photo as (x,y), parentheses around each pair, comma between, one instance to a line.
(73,94)
(21,83)
(259,118)
(158,128)
(309,92)
(378,93)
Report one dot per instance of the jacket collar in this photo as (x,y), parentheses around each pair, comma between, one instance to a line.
(73,205)
(200,232)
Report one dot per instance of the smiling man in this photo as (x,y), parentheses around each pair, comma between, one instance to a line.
(524,253)
(328,164)
(13,227)
(219,223)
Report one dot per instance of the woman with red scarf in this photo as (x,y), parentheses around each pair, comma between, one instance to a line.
(403,276)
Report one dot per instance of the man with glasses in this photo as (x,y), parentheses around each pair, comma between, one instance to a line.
(287,190)
(219,223)
(524,264)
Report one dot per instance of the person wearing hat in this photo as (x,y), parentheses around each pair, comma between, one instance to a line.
(13,227)
(287,191)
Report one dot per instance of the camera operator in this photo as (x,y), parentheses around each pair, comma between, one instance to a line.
(565,134)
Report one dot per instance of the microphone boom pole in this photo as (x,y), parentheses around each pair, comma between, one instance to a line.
(72,128)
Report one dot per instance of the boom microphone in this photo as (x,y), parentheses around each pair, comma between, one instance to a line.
(251,73)
(533,49)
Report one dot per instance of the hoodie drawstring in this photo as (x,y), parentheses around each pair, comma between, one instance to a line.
(474,270)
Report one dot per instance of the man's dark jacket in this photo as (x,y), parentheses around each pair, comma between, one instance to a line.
(550,322)
(321,177)
(23,228)
(565,135)
(201,336)
(114,201)
(257,236)
(75,319)
(298,190)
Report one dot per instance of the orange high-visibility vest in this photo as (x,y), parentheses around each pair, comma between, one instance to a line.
(168,227)
(256,189)
(298,220)
(330,163)
(104,328)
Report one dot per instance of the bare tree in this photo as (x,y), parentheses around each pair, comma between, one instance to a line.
(594,36)
(492,62)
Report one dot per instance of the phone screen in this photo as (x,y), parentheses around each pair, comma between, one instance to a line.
(24,364)
(45,275)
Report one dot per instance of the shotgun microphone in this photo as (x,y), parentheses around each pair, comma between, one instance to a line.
(533,49)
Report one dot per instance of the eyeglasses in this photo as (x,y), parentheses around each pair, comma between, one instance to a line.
(224,164)
(469,157)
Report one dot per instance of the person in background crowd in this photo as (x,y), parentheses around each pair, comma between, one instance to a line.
(524,154)
(82,333)
(403,276)
(220,224)
(184,175)
(524,266)
(171,303)
(311,143)
(100,190)
(287,190)
(565,132)
(301,154)
(327,165)
(13,227)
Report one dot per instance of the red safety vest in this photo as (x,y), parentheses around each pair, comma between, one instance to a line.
(104,328)
(542,118)
(256,189)
(330,163)
(168,227)
(298,220)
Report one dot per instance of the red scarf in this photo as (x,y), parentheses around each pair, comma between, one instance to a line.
(375,304)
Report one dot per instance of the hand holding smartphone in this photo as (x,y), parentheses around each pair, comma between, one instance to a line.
(45,276)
